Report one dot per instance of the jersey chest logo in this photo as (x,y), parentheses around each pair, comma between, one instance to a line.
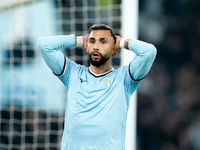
(82,80)
(108,81)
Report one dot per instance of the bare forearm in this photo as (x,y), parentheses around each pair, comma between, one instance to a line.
(126,43)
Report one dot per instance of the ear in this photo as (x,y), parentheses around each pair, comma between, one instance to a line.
(114,50)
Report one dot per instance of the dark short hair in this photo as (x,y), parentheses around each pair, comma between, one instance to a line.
(103,27)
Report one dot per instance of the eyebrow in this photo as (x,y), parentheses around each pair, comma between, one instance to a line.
(101,39)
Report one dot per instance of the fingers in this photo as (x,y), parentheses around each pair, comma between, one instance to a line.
(85,41)
(116,47)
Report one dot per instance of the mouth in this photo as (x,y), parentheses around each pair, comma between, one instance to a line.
(95,55)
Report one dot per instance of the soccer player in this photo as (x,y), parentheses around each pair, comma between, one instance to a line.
(97,96)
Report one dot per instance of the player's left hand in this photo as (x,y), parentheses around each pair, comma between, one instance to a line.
(116,48)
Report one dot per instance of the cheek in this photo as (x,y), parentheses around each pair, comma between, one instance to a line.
(88,49)
(109,52)
(111,49)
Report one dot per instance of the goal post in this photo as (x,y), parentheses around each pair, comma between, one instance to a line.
(129,30)
(7,4)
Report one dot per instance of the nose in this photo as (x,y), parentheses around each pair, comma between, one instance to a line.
(96,46)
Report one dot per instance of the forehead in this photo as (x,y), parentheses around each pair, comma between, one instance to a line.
(100,34)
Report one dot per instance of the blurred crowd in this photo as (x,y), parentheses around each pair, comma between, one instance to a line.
(169,99)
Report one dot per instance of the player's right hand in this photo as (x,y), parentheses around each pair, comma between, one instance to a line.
(85,41)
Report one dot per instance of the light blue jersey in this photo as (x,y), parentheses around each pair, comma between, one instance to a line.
(96,106)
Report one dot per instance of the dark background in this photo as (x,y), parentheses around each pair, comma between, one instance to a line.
(168,115)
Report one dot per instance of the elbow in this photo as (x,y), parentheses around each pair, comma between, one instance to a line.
(41,44)
(152,52)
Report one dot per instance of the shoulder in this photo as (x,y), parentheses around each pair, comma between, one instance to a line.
(72,65)
(122,69)
(124,72)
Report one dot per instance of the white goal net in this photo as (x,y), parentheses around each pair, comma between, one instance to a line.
(32,99)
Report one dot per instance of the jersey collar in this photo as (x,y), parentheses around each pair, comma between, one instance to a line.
(99,75)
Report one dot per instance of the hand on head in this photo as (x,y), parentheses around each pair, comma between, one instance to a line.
(116,48)
(85,41)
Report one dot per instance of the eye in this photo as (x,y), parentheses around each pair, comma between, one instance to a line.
(103,41)
(91,41)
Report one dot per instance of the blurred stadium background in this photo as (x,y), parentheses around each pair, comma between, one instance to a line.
(32,100)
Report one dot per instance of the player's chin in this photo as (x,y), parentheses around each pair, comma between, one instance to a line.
(96,62)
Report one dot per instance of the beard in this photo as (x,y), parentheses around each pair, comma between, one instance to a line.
(101,61)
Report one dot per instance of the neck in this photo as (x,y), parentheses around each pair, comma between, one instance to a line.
(101,69)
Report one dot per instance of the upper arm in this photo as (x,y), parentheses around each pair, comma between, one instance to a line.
(141,64)
(49,48)
(53,58)
(69,67)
